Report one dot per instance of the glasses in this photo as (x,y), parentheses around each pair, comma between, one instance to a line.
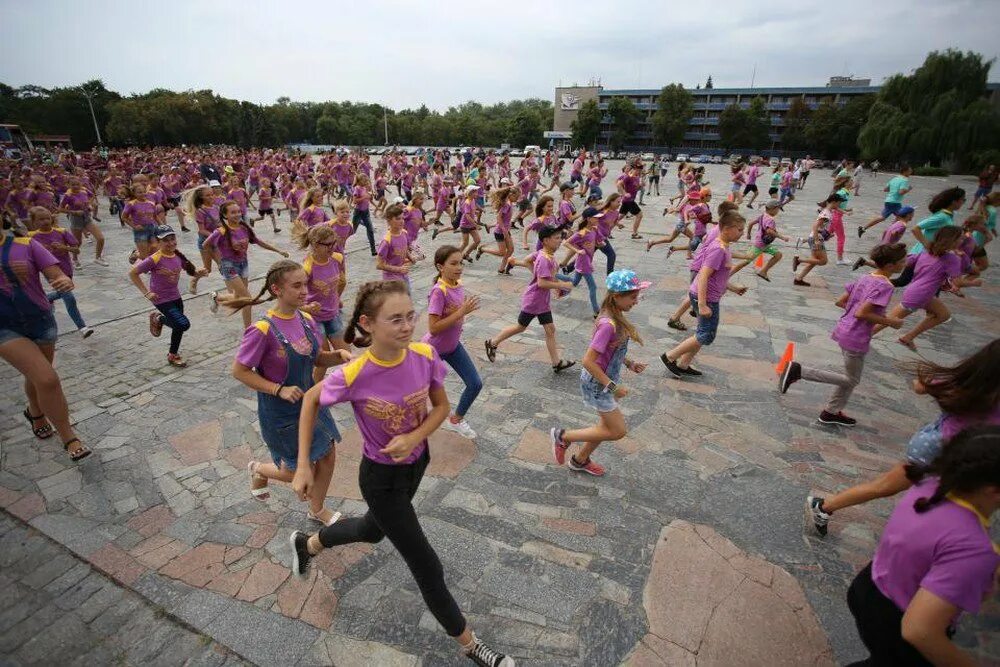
(401,320)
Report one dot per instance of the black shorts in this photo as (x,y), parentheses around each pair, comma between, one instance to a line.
(629,207)
(979,252)
(655,178)
(523,205)
(750,187)
(524,319)
(772,191)
(264,211)
(174,202)
(499,236)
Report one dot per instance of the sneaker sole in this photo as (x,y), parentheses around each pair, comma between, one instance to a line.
(295,554)
(592,474)
(834,423)
(783,383)
(810,521)
(555,447)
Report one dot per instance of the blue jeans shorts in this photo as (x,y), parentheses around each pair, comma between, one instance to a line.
(230,269)
(707,326)
(43,332)
(144,235)
(891,208)
(925,445)
(593,394)
(332,328)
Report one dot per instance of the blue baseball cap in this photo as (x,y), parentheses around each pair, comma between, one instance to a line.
(163,231)
(625,280)
(905,211)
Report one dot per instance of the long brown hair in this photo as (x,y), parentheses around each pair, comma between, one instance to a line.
(368,302)
(275,275)
(622,326)
(970,387)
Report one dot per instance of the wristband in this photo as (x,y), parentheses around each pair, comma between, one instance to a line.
(277,392)
(610,387)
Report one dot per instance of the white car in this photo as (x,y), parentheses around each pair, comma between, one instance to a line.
(683,157)
(648,157)
(716,159)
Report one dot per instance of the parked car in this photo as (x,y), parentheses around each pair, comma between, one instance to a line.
(648,157)
(517,152)
(734,158)
(716,159)
(703,159)
(683,157)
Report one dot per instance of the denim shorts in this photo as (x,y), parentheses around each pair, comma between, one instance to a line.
(891,208)
(332,328)
(144,235)
(43,332)
(230,269)
(594,395)
(925,445)
(78,220)
(707,326)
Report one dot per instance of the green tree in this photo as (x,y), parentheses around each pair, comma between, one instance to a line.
(734,127)
(674,107)
(525,128)
(938,113)
(796,122)
(758,124)
(624,119)
(822,128)
(587,126)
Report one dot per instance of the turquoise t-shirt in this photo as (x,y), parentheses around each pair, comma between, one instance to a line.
(930,226)
(896,183)
(845,194)
(991,225)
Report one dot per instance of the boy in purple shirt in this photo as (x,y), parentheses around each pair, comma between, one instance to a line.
(393,254)
(864,303)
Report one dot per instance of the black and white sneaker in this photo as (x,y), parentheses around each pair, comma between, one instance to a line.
(858,263)
(671,365)
(820,519)
(789,376)
(693,372)
(839,419)
(300,552)
(484,656)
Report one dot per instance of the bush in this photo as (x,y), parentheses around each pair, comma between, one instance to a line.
(982,159)
(930,171)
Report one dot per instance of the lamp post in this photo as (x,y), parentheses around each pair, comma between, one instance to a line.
(89,94)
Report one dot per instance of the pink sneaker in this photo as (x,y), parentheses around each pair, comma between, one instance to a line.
(595,469)
(558,446)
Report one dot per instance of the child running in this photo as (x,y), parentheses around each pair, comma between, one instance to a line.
(705,292)
(393,255)
(967,394)
(164,268)
(447,307)
(895,189)
(63,246)
(601,373)
(935,558)
(864,302)
(535,302)
(276,359)
(893,234)
(767,232)
(503,200)
(388,387)
(324,269)
(582,245)
(817,242)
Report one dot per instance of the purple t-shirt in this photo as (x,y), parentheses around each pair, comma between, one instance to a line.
(585,239)
(27,259)
(313,215)
(444,300)
(363,198)
(53,236)
(853,333)
(323,280)
(566,209)
(207,218)
(393,250)
(717,257)
(946,551)
(535,299)
(389,398)
(75,202)
(235,247)
(630,184)
(929,274)
(468,208)
(605,342)
(504,215)
(412,217)
(752,172)
(164,272)
(710,238)
(141,213)
(893,233)
(766,223)
(952,425)
(261,350)
(343,232)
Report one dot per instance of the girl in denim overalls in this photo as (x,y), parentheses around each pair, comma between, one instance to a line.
(276,359)
(601,372)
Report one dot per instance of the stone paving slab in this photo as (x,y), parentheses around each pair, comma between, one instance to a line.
(552,567)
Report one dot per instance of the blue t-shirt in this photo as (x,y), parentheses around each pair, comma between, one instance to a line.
(896,183)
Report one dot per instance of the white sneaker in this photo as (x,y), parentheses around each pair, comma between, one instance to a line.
(77,264)
(101,261)
(86,332)
(214,303)
(461,427)
(843,262)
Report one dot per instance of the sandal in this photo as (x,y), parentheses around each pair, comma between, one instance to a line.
(563,365)
(491,351)
(79,453)
(334,518)
(261,493)
(42,432)
(637,236)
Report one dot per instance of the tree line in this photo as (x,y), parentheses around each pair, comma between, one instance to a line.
(939,113)
(168,118)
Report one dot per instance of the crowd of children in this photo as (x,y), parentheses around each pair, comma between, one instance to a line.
(390,380)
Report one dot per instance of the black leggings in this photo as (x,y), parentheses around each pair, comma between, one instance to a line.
(389,490)
(905,277)
(880,623)
(174,317)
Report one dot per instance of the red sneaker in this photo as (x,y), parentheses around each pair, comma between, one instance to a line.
(559,447)
(595,469)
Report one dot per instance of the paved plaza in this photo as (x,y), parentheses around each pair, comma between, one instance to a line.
(692,550)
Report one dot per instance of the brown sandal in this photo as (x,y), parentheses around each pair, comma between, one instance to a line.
(79,453)
(42,432)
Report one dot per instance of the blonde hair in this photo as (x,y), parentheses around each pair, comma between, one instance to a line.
(610,308)
(305,237)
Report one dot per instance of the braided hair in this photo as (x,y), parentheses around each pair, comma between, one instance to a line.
(970,461)
(368,302)
(274,276)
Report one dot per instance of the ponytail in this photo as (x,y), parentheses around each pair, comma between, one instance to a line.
(274,276)
(371,296)
(441,256)
(186,263)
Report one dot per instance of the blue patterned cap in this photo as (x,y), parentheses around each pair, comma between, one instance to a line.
(625,280)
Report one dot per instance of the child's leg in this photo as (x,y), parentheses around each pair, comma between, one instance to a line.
(271,471)
(884,486)
(610,427)
(70,302)
(592,292)
(775,258)
(897,311)
(936,313)
(322,476)
(512,330)
(685,352)
(854,363)
(550,342)
(238,286)
(685,305)
(462,364)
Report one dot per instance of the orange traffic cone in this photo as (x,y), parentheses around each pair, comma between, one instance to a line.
(785,358)
(760,261)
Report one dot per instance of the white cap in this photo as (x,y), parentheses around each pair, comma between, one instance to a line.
(472,188)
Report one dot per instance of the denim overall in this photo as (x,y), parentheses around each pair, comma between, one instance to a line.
(593,391)
(17,311)
(279,419)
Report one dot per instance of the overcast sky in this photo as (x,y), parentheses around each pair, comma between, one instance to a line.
(444,52)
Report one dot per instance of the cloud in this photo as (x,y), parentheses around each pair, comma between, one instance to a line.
(404,53)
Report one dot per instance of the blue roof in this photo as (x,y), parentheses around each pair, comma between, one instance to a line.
(817,90)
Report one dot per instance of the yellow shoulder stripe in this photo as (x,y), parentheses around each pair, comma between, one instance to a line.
(352,368)
(423,349)
(23,240)
(263,326)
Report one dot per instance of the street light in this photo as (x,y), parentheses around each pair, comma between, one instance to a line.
(89,94)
